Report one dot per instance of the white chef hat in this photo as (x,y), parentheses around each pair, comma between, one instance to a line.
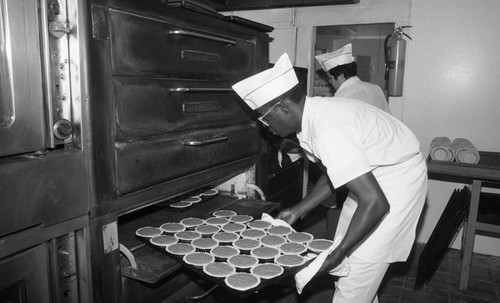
(338,57)
(263,87)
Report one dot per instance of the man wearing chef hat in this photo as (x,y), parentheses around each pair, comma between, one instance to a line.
(342,70)
(370,152)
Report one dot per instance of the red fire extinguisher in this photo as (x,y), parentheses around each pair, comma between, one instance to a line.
(395,48)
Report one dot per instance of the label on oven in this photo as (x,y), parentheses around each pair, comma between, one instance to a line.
(110,237)
(190,55)
(201,107)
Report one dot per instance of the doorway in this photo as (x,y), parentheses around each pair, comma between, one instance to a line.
(367,47)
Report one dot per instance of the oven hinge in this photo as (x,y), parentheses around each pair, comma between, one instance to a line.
(57,71)
(64,268)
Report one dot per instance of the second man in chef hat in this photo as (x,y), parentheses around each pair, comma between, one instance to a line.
(341,68)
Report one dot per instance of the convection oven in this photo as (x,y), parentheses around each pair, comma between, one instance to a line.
(165,125)
(44,176)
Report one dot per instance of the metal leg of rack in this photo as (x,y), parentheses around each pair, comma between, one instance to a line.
(470,232)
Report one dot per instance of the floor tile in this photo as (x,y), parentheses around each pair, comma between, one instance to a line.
(457,298)
(408,295)
(391,291)
(476,289)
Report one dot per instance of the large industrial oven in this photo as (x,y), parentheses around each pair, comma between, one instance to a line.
(165,124)
(44,158)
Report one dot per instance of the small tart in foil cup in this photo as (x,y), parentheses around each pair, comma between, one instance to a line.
(267,270)
(319,245)
(219,269)
(242,281)
(224,213)
(218,221)
(180,249)
(163,240)
(192,223)
(241,218)
(172,227)
(198,259)
(300,237)
(148,232)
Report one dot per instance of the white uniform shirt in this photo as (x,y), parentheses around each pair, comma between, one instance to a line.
(368,92)
(352,138)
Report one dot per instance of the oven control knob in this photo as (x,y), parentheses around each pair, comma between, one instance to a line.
(62,129)
(58,29)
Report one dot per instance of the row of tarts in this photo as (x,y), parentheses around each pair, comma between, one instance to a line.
(236,248)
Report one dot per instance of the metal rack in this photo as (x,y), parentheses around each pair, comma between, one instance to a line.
(485,174)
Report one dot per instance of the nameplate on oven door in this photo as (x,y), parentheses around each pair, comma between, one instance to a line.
(100,23)
(201,107)
(190,55)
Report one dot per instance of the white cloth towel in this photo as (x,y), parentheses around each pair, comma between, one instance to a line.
(465,151)
(275,222)
(293,157)
(307,273)
(291,148)
(441,149)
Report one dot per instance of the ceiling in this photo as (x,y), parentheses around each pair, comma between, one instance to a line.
(356,31)
(232,5)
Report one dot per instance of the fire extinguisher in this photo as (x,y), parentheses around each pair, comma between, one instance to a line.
(395,48)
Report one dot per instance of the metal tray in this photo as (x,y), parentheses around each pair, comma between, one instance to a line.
(288,272)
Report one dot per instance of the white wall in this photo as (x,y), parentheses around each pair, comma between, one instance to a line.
(294,28)
(451,85)
(451,78)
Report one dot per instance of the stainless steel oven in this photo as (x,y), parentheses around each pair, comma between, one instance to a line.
(44,187)
(110,109)
(165,123)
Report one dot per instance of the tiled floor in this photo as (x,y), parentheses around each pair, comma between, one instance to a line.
(484,281)
(399,283)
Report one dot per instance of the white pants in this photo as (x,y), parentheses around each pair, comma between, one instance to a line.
(362,282)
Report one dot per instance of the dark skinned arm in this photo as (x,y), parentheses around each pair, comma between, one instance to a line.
(320,192)
(371,209)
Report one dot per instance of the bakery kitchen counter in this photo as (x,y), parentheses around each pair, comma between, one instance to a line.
(153,264)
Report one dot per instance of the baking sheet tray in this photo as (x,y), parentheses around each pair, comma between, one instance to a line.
(288,273)
(153,264)
(246,207)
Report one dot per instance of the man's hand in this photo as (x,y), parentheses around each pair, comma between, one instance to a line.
(332,261)
(288,215)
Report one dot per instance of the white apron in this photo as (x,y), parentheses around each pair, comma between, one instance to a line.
(405,186)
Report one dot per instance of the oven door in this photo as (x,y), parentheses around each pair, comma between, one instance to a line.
(25,276)
(22,121)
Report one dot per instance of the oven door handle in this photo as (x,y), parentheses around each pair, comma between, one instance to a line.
(205,142)
(199,89)
(180,32)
